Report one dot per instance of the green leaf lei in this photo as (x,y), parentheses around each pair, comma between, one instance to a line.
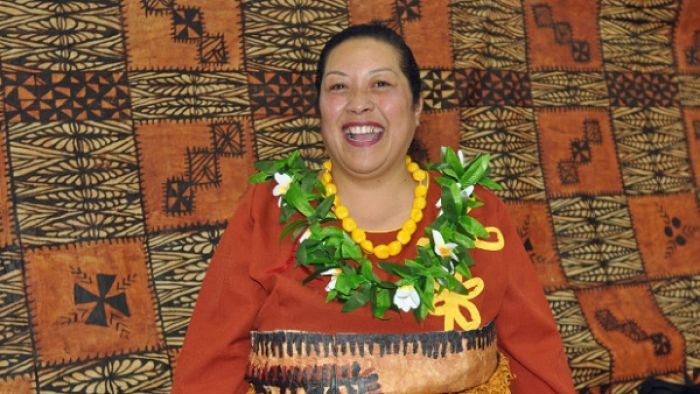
(305,206)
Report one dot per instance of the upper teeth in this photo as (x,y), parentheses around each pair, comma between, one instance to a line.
(363,130)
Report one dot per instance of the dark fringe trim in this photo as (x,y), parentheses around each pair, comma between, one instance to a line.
(431,344)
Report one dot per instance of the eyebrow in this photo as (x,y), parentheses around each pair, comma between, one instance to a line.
(375,71)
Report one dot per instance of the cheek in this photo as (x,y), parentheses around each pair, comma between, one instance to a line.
(330,107)
(399,110)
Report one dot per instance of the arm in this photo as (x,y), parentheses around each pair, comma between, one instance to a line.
(215,353)
(527,332)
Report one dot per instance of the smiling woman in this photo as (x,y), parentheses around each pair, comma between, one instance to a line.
(368,119)
(373,274)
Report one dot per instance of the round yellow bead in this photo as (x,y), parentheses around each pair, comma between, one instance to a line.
(331,189)
(381,251)
(349,224)
(336,200)
(403,237)
(358,235)
(419,203)
(326,178)
(367,246)
(395,248)
(423,241)
(419,175)
(421,191)
(409,226)
(416,215)
(408,160)
(412,167)
(328,165)
(341,212)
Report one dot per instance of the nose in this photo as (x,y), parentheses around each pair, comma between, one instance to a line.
(360,101)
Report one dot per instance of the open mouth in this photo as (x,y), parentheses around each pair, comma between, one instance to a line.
(363,134)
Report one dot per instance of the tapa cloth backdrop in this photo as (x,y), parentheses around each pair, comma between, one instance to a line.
(129,129)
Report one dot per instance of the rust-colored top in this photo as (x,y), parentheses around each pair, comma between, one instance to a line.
(250,286)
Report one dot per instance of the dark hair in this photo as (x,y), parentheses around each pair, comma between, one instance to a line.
(381,33)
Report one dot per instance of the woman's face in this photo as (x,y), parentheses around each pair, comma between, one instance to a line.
(368,117)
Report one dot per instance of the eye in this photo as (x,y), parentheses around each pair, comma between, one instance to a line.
(381,83)
(337,86)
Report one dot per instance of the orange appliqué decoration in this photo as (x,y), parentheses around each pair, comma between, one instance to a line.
(450,304)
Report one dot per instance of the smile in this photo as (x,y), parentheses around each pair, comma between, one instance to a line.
(363,133)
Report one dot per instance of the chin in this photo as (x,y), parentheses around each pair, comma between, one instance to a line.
(366,168)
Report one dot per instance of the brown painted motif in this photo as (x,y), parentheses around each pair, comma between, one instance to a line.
(562,34)
(183,34)
(91,300)
(578,152)
(627,321)
(668,234)
(186,167)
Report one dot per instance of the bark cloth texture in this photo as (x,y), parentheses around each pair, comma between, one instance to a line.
(129,128)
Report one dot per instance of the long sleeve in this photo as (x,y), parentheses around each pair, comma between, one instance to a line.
(217,344)
(527,332)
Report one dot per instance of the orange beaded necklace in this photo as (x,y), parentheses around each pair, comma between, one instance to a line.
(403,236)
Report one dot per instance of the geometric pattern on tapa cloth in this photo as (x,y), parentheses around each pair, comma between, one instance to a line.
(50,96)
(568,88)
(61,36)
(491,38)
(595,239)
(74,180)
(93,105)
(638,38)
(651,144)
(16,350)
(580,342)
(179,258)
(289,35)
(161,95)
(678,298)
(282,93)
(689,90)
(147,372)
(279,137)
(509,134)
(448,89)
(188,27)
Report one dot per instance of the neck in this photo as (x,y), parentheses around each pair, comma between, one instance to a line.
(381,203)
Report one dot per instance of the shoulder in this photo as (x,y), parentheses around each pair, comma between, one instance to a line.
(257,205)
(253,232)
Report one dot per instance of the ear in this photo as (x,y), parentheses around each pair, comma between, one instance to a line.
(417,110)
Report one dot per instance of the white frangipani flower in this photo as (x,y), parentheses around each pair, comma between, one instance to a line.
(305,235)
(443,249)
(333,273)
(406,298)
(467,191)
(280,189)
